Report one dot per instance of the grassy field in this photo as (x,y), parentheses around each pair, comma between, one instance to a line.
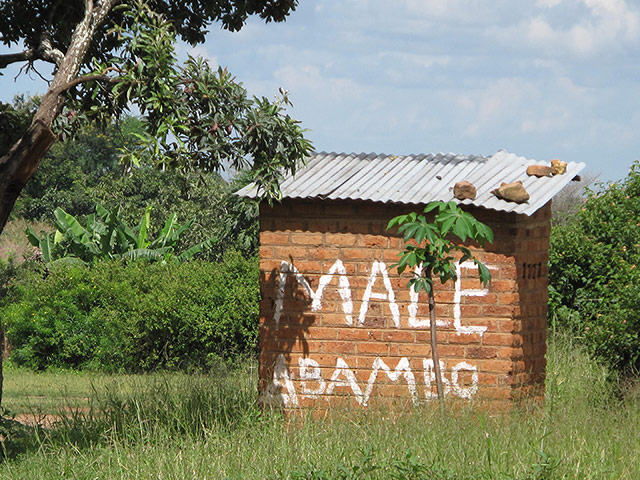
(208,427)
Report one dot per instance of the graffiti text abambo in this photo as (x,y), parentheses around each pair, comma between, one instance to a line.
(281,390)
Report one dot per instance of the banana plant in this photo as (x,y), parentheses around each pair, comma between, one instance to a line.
(107,236)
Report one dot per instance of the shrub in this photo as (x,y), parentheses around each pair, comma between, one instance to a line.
(593,275)
(134,317)
(107,237)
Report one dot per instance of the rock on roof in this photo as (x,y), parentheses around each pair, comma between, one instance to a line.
(419,179)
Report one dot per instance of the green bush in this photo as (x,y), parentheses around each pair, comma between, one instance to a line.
(134,317)
(82,171)
(594,281)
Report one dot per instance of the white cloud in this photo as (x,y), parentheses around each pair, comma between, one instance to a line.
(541,78)
(594,26)
(547,3)
(499,105)
(512,106)
(412,60)
(311,80)
(551,118)
(458,11)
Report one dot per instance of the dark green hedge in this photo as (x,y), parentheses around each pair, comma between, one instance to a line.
(135,317)
(594,273)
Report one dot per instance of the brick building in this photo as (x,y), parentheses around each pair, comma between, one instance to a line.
(339,326)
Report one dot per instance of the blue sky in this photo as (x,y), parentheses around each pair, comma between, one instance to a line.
(544,79)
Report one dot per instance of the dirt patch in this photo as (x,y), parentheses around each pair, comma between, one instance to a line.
(44,420)
(47,420)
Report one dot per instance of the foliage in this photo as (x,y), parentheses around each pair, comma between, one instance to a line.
(435,255)
(71,169)
(196,118)
(106,237)
(208,198)
(81,39)
(37,21)
(594,280)
(14,120)
(567,203)
(111,55)
(133,317)
(84,170)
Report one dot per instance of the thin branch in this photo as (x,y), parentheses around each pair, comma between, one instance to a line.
(30,67)
(99,77)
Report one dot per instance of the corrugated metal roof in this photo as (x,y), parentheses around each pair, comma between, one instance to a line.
(419,179)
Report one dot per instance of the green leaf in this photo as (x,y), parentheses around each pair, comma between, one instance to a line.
(58,236)
(446,224)
(484,273)
(149,254)
(191,252)
(143,231)
(462,228)
(412,230)
(167,230)
(420,234)
(71,226)
(395,221)
(485,234)
(431,206)
(46,247)
(32,236)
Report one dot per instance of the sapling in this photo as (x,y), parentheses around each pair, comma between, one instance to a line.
(431,251)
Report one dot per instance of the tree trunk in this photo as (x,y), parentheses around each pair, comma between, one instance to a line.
(1,361)
(19,164)
(434,345)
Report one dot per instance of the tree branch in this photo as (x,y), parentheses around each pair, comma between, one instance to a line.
(7,59)
(47,52)
(98,77)
(102,9)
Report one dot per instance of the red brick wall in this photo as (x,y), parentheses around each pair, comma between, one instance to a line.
(338,325)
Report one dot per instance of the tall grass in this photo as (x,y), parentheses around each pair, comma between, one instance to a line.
(208,426)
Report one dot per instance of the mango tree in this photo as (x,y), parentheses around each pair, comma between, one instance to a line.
(113,55)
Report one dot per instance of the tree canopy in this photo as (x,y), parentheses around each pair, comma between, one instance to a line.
(112,54)
(46,27)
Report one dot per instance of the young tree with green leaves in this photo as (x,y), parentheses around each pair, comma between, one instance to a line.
(431,251)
